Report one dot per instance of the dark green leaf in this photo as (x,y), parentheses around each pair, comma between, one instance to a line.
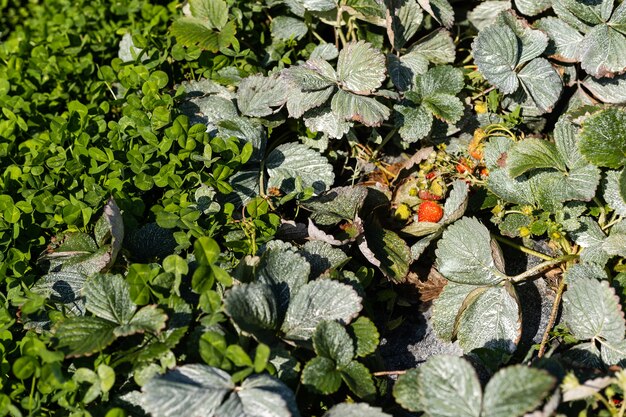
(386,250)
(253,308)
(366,336)
(85,335)
(603,138)
(320,373)
(331,340)
(358,378)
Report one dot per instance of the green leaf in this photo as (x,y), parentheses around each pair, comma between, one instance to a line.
(613,194)
(331,340)
(440,10)
(83,336)
(215,12)
(444,107)
(192,390)
(607,90)
(358,378)
(496,54)
(238,356)
(253,308)
(340,203)
(287,27)
(614,353)
(446,309)
(515,190)
(176,265)
(355,410)
(360,67)
(258,96)
(261,357)
(206,250)
(245,185)
(63,287)
(285,272)
(591,238)
(321,374)
(414,122)
(437,47)
(464,254)
(386,250)
(615,243)
(368,8)
(590,307)
(319,5)
(212,348)
(314,75)
(24,367)
(366,336)
(323,119)
(532,42)
(516,390)
(402,70)
(294,160)
(299,102)
(147,319)
(541,83)
(443,79)
(618,19)
(263,395)
(564,40)
(108,297)
(603,138)
(603,51)
(362,109)
(443,386)
(191,31)
(533,153)
(486,12)
(318,301)
(322,257)
(592,13)
(325,51)
(532,7)
(403,22)
(491,319)
(544,188)
(456,202)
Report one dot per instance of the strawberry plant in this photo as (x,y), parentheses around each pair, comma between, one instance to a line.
(233,208)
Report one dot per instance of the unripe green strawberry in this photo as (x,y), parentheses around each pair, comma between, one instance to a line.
(429,211)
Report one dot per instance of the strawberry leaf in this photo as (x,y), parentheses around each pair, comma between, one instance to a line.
(591,309)
(490,317)
(355,410)
(516,390)
(464,254)
(603,138)
(443,386)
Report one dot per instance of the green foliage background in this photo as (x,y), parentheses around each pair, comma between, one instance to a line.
(211,208)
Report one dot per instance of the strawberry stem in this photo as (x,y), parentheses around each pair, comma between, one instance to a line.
(542,267)
(522,248)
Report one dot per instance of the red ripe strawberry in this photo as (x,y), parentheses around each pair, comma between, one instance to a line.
(429,211)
